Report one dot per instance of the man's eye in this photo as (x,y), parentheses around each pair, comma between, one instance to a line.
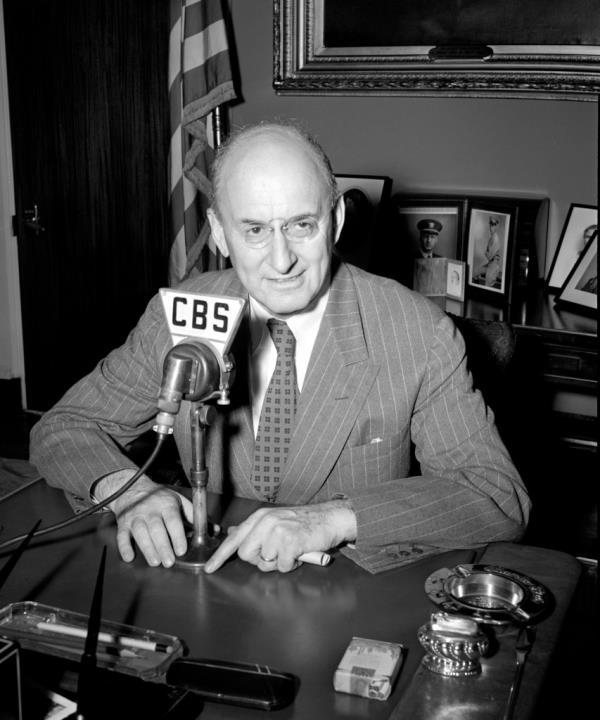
(256,232)
(302,228)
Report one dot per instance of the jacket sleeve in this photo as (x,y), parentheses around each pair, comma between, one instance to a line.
(82,438)
(469,492)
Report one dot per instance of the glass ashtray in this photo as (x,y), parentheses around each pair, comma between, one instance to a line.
(61,633)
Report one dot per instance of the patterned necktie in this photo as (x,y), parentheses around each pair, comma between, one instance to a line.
(277,415)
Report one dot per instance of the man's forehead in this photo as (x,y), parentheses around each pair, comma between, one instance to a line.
(273,183)
(267,207)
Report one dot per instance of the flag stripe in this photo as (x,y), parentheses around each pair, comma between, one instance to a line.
(177,206)
(200,80)
(204,45)
(216,86)
(200,14)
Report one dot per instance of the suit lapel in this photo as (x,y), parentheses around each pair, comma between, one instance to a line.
(339,377)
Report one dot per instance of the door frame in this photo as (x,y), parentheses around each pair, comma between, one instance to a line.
(8,241)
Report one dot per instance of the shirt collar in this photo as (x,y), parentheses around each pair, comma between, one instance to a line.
(301,324)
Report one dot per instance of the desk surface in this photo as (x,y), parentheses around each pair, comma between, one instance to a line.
(299,623)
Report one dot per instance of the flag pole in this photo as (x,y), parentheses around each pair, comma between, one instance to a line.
(217,123)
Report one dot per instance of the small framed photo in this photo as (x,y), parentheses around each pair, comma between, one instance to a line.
(429,276)
(456,276)
(489,250)
(580,224)
(580,289)
(431,227)
(364,195)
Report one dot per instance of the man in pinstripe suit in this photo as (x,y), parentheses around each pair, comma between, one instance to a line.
(378,367)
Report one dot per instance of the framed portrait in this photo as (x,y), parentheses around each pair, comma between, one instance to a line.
(432,47)
(430,227)
(580,225)
(456,278)
(376,188)
(364,196)
(429,276)
(489,242)
(580,289)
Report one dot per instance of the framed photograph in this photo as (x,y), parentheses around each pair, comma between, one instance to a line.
(429,276)
(376,188)
(489,250)
(456,278)
(364,195)
(489,48)
(430,227)
(580,225)
(580,290)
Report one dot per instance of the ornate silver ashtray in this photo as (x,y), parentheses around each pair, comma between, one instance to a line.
(488,593)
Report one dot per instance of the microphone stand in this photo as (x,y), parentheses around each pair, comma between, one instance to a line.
(201,544)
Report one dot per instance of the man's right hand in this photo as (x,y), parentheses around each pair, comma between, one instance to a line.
(150,515)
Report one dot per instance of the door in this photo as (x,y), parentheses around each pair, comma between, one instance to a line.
(89,125)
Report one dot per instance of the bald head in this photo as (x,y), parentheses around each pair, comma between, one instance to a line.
(276,215)
(266,145)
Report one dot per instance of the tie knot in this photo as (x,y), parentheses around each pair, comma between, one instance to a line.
(282,336)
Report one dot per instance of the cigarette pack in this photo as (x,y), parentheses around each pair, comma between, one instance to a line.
(369,668)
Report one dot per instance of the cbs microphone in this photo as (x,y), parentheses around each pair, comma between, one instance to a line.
(198,367)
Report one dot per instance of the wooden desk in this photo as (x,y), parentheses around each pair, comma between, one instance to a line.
(300,623)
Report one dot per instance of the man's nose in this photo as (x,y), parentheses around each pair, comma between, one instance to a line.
(282,255)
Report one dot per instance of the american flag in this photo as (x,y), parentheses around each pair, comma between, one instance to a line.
(200,80)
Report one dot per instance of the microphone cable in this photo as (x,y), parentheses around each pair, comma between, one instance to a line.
(95,508)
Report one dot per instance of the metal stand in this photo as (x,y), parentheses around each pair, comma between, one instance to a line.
(201,544)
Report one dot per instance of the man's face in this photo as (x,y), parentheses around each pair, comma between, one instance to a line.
(428,240)
(276,223)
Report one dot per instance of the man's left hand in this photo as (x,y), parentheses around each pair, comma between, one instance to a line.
(274,538)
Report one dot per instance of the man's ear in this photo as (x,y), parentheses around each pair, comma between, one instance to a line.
(217,232)
(339,215)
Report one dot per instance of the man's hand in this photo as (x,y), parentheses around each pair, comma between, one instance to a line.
(274,538)
(150,514)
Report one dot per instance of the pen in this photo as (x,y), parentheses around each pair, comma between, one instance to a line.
(66,643)
(315,558)
(104,637)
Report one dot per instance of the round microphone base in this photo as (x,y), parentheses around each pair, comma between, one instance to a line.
(198,554)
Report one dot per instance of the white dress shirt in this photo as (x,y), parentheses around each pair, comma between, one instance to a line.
(263,354)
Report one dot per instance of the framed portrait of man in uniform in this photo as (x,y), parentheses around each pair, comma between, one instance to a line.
(430,227)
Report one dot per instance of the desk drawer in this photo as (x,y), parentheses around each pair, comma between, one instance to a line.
(570,366)
(571,362)
(566,358)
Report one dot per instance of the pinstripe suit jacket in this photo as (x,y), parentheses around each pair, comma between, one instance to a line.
(388,368)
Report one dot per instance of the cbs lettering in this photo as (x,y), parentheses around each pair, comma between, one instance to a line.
(198,313)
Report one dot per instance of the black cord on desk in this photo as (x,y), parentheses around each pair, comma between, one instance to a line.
(95,508)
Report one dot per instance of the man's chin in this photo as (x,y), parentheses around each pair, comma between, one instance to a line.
(285,307)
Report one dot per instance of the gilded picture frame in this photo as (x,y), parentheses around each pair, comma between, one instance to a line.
(492,48)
